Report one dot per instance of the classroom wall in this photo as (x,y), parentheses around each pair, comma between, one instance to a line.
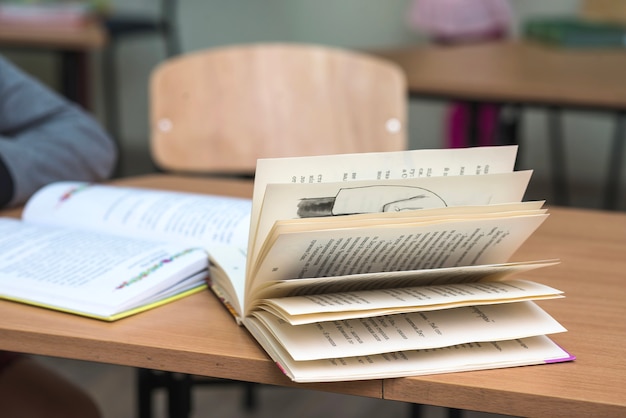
(352,24)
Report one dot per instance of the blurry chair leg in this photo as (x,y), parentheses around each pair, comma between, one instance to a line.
(147,382)
(179,388)
(416,411)
(179,395)
(250,396)
(455,413)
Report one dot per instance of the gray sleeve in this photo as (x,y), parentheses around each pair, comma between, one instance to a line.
(46,138)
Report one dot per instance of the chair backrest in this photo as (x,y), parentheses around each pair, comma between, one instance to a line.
(218,110)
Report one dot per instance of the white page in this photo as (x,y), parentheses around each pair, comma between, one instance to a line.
(231,262)
(366,303)
(458,358)
(367,250)
(377,166)
(195,219)
(290,201)
(412,331)
(398,279)
(87,271)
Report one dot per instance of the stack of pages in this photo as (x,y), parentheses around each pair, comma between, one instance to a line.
(395,264)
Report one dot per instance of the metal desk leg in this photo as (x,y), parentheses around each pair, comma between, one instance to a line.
(147,382)
(473,132)
(509,129)
(557,151)
(611,193)
(179,395)
(416,411)
(509,125)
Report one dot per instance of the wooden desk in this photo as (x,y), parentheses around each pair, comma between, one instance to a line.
(196,335)
(592,249)
(528,74)
(516,72)
(71,45)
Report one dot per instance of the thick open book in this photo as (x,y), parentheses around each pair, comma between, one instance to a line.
(108,252)
(394,264)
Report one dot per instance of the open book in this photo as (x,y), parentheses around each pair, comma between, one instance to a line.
(393,264)
(108,252)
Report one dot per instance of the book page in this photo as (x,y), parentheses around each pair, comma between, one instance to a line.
(88,272)
(382,166)
(194,219)
(396,279)
(396,247)
(304,201)
(299,310)
(228,276)
(410,331)
(457,358)
(377,166)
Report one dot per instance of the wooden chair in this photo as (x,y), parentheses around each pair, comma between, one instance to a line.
(218,110)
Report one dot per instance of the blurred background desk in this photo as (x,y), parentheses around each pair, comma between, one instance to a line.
(73,47)
(525,74)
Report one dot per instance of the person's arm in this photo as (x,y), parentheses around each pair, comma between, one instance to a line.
(45,138)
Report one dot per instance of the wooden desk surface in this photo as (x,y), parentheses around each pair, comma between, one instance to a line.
(516,71)
(196,334)
(592,273)
(92,36)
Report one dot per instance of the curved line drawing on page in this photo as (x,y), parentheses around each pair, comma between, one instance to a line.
(370,199)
